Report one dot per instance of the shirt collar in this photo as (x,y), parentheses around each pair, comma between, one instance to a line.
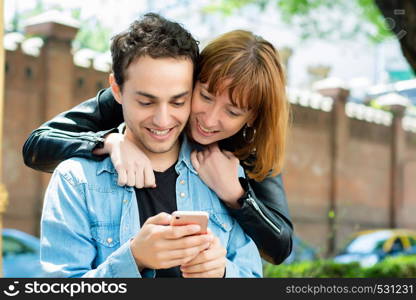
(106,166)
(184,156)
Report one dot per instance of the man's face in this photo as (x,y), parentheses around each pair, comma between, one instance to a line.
(156,100)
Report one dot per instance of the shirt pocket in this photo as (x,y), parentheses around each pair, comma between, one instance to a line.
(107,239)
(221,225)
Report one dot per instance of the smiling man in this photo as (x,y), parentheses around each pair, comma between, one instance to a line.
(92,227)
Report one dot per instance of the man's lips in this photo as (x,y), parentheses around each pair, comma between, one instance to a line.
(160,134)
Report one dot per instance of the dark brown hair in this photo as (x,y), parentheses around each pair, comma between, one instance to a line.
(154,36)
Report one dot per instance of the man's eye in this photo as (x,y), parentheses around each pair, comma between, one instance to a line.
(144,103)
(178,104)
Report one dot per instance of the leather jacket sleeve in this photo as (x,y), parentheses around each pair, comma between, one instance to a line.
(264,213)
(73,133)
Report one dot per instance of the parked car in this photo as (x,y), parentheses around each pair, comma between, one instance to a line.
(20,254)
(301,251)
(406,88)
(372,246)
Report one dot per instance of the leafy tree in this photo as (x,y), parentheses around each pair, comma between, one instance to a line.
(376,20)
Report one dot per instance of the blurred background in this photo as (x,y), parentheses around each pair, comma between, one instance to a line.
(351,161)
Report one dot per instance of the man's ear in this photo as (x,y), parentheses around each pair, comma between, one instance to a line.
(115,88)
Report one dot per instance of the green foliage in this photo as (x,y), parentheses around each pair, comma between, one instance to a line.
(228,7)
(94,36)
(401,266)
(327,19)
(91,34)
(394,267)
(315,269)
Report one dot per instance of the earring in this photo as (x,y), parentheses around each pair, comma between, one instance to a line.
(246,135)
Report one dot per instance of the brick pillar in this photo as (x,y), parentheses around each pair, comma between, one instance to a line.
(57,61)
(57,67)
(3,190)
(339,134)
(397,160)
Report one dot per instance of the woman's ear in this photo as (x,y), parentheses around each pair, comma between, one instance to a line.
(251,120)
(115,88)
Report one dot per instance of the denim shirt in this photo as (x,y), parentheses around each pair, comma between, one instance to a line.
(88,221)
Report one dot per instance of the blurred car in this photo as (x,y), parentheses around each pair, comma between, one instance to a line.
(406,88)
(301,251)
(372,246)
(20,254)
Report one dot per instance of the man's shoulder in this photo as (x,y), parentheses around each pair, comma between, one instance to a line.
(81,170)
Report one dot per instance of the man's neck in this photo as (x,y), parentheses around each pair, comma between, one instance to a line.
(160,161)
(163,161)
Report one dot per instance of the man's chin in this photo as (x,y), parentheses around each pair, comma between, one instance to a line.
(159,147)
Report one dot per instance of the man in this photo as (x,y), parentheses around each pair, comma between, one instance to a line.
(94,228)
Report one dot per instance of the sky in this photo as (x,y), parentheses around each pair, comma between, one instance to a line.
(350,61)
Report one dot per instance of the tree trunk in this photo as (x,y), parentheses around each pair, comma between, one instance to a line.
(401,19)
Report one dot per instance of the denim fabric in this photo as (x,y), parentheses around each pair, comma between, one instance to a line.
(88,221)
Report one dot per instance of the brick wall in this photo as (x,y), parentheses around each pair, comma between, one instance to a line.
(334,162)
(37,87)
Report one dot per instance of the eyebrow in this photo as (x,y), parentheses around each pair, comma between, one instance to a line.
(150,96)
(230,103)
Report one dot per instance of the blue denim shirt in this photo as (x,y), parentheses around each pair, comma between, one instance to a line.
(88,221)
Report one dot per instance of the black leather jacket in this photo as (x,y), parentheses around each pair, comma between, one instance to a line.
(264,214)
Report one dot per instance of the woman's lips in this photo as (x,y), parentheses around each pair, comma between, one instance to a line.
(204,132)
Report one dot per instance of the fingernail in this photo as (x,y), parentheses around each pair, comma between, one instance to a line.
(196,228)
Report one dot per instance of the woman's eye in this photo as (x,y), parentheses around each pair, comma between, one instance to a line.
(205,96)
(234,114)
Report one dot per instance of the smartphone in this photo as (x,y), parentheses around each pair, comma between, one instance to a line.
(190,217)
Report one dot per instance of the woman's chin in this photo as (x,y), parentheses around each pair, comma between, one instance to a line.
(203,140)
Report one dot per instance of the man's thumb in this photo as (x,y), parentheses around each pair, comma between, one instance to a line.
(160,219)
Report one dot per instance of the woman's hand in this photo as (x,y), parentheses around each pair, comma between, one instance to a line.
(219,170)
(132,165)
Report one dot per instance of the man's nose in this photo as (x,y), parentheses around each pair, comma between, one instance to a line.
(162,117)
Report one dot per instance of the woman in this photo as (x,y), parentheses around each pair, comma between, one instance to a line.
(239,101)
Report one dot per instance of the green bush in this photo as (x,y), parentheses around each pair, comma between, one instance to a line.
(399,267)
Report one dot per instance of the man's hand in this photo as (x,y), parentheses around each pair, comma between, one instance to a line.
(133,166)
(208,263)
(160,246)
(219,170)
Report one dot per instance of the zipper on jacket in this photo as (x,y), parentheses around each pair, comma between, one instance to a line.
(256,207)
(68,135)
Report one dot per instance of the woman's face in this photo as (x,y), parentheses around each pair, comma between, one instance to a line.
(214,117)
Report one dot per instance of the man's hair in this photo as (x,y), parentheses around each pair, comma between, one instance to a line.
(154,36)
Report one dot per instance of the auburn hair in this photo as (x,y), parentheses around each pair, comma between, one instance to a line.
(256,79)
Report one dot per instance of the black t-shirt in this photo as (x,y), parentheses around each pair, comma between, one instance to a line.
(152,201)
